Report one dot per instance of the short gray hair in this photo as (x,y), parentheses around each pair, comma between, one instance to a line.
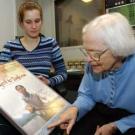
(114,30)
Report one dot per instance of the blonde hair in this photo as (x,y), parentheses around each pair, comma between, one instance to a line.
(114,30)
(28,5)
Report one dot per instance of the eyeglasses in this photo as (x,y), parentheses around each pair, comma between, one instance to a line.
(95,55)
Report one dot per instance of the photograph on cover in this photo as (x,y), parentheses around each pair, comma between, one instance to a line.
(28,101)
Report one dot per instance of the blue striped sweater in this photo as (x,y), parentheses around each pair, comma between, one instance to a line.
(39,61)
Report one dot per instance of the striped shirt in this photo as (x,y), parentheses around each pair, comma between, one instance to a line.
(38,61)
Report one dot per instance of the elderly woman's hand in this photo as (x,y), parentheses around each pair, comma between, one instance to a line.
(66,120)
(107,129)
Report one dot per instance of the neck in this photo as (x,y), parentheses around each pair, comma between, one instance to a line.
(30,43)
(117,64)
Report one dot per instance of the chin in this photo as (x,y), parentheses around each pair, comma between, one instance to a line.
(97,70)
(34,36)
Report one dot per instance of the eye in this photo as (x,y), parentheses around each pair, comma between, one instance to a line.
(96,55)
(37,21)
(28,22)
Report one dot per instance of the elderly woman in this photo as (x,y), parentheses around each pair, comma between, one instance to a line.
(106,96)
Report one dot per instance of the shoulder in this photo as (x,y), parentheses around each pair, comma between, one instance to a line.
(48,40)
(130,59)
(129,64)
(13,42)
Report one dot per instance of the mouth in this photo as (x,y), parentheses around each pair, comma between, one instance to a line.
(96,67)
(34,31)
(94,64)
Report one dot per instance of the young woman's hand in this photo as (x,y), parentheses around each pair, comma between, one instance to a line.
(29,108)
(66,120)
(43,79)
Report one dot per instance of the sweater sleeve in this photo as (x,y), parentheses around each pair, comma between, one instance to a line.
(58,65)
(5,54)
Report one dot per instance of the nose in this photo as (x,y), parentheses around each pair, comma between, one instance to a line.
(33,25)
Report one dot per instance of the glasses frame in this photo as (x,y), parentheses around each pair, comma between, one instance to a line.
(95,55)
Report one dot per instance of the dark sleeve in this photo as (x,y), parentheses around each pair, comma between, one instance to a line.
(5,54)
(58,65)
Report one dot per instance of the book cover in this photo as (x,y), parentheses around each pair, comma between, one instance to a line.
(27,102)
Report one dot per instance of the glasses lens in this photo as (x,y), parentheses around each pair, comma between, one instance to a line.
(95,55)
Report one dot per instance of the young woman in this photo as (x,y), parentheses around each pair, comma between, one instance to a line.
(37,53)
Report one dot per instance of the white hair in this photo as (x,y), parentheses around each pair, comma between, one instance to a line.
(114,30)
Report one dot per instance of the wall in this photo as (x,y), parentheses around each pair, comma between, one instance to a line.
(72,16)
(49,17)
(74,57)
(7,24)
